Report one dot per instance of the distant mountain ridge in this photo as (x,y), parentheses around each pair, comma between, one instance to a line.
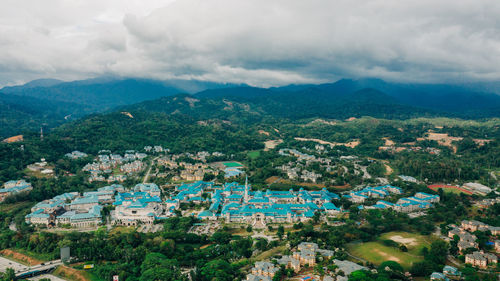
(200,99)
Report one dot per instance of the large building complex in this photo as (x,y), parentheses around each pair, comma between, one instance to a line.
(13,187)
(233,202)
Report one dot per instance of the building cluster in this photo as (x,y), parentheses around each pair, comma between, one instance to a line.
(468,240)
(155,149)
(418,202)
(397,149)
(481,259)
(72,209)
(372,192)
(141,204)
(304,255)
(102,169)
(13,187)
(188,171)
(237,203)
(488,202)
(298,170)
(449,273)
(76,155)
(41,167)
(262,271)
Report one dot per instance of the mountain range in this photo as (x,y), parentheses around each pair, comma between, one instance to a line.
(49,102)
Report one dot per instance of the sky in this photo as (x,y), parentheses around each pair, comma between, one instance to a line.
(257,42)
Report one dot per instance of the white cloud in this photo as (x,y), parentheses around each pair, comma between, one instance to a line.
(257,42)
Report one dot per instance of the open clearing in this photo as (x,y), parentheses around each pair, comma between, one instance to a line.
(376,252)
(449,188)
(351,144)
(271,144)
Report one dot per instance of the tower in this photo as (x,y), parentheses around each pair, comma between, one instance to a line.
(41,133)
(246,190)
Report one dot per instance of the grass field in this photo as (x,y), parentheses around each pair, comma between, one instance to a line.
(122,229)
(232,164)
(448,188)
(5,208)
(254,154)
(376,252)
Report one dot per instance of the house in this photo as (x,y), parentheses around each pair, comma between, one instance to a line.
(305,255)
(264,269)
(439,276)
(76,155)
(481,259)
(452,272)
(13,187)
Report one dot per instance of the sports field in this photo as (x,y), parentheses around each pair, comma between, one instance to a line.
(232,164)
(376,252)
(449,188)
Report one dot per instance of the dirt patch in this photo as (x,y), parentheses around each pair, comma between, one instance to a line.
(442,139)
(262,132)
(481,142)
(322,121)
(127,114)
(272,179)
(20,257)
(271,144)
(388,142)
(351,144)
(70,273)
(191,101)
(388,170)
(387,256)
(402,240)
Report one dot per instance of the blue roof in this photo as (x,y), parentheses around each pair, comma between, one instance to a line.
(330,206)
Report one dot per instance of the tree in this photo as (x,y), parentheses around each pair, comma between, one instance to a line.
(9,275)
(392,265)
(280,232)
(438,252)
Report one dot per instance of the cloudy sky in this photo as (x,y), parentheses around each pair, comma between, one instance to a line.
(256,42)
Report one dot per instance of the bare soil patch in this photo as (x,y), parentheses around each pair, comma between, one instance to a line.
(20,257)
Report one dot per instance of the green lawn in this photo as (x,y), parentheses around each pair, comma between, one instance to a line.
(254,154)
(376,252)
(232,164)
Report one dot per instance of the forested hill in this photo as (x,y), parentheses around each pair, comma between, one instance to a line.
(246,104)
(20,114)
(46,102)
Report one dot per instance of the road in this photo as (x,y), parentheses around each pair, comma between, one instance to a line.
(146,176)
(6,263)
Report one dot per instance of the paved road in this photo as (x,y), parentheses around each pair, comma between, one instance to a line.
(41,267)
(6,263)
(146,176)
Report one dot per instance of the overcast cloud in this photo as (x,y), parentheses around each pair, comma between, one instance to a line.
(257,42)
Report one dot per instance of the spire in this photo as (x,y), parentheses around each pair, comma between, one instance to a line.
(246,189)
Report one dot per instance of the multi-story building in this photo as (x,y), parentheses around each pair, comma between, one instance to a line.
(12,187)
(305,255)
(481,259)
